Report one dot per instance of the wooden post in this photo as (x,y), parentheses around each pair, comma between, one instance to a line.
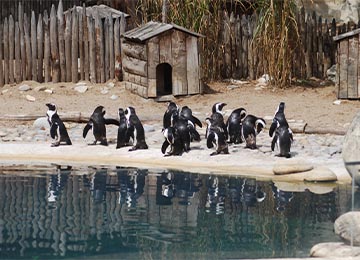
(74,46)
(40,45)
(11,49)
(227,45)
(122,31)
(17,54)
(81,43)
(1,57)
(308,53)
(61,29)
(47,69)
(67,36)
(244,49)
(99,49)
(117,62)
(111,48)
(321,72)
(54,46)
(86,44)
(106,52)
(6,51)
(27,47)
(22,41)
(33,47)
(92,50)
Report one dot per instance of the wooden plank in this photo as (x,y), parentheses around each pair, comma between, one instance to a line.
(40,45)
(86,45)
(346,35)
(233,45)
(106,51)
(308,53)
(178,49)
(33,47)
(244,49)
(54,46)
(358,69)
(67,39)
(352,67)
(61,30)
(74,47)
(99,45)
(137,50)
(153,61)
(11,49)
(164,48)
(238,47)
(81,45)
(227,71)
(47,54)
(17,54)
(122,32)
(6,50)
(134,66)
(192,65)
(92,50)
(343,73)
(1,57)
(320,64)
(117,65)
(111,48)
(22,41)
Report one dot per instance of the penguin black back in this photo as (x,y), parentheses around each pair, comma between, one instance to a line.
(234,124)
(172,107)
(279,118)
(251,127)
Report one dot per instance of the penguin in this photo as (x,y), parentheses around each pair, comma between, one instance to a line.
(279,117)
(98,124)
(251,127)
(57,128)
(172,107)
(216,138)
(186,113)
(136,128)
(283,138)
(173,140)
(217,118)
(184,129)
(234,124)
(124,134)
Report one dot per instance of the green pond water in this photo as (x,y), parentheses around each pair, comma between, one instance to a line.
(128,213)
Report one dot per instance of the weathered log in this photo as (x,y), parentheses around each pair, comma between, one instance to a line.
(76,117)
(137,67)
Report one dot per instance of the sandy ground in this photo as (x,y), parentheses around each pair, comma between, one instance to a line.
(312,104)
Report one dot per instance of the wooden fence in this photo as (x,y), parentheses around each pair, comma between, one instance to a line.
(62,46)
(236,56)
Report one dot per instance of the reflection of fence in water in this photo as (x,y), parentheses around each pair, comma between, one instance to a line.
(73,221)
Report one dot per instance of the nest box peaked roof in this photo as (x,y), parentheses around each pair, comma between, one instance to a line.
(152,29)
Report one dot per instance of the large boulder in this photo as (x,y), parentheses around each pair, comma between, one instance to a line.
(347,226)
(332,250)
(351,149)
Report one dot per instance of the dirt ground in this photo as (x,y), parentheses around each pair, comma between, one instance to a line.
(312,103)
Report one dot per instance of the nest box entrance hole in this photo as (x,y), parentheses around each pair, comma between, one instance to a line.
(163,79)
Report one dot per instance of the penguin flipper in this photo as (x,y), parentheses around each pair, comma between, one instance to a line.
(272,128)
(164,146)
(273,142)
(195,134)
(196,121)
(53,130)
(111,121)
(86,129)
(210,140)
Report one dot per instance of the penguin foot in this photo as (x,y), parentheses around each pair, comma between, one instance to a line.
(134,148)
(214,153)
(56,144)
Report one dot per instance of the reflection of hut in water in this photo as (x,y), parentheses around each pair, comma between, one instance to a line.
(161,59)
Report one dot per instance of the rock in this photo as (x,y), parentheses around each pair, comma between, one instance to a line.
(350,149)
(232,86)
(30,98)
(114,97)
(49,91)
(3,134)
(281,169)
(111,84)
(4,91)
(104,91)
(24,87)
(337,102)
(81,88)
(41,123)
(320,174)
(331,73)
(331,250)
(40,88)
(347,226)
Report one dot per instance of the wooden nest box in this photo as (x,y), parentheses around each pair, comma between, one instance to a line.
(348,65)
(161,59)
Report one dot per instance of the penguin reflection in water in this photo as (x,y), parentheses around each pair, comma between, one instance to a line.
(136,129)
(97,123)
(281,132)
(57,128)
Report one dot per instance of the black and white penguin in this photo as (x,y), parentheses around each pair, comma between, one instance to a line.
(217,118)
(173,140)
(279,117)
(134,124)
(184,129)
(172,107)
(251,127)
(98,124)
(186,113)
(57,128)
(234,125)
(283,138)
(124,134)
(216,138)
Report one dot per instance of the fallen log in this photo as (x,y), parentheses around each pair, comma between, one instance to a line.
(75,117)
